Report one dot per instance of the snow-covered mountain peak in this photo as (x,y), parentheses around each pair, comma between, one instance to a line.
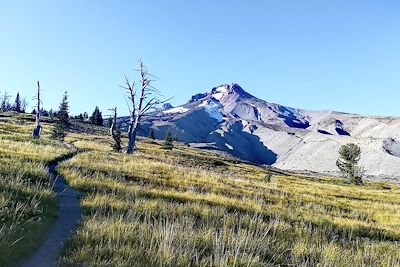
(225,91)
(229,119)
(234,103)
(229,89)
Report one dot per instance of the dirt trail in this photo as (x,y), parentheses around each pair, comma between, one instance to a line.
(69,213)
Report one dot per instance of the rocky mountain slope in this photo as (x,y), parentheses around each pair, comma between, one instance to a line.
(229,119)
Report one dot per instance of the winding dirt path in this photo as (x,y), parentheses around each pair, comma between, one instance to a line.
(69,214)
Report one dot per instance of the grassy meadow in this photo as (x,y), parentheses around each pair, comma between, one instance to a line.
(190,208)
(27,203)
(185,207)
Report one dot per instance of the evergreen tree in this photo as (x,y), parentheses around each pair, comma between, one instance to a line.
(44,112)
(63,110)
(80,117)
(58,131)
(151,134)
(17,104)
(168,141)
(176,139)
(97,117)
(349,155)
(85,116)
(5,103)
(62,123)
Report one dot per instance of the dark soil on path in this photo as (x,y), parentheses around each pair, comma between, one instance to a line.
(69,214)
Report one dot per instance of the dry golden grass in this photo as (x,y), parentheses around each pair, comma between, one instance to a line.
(27,203)
(187,207)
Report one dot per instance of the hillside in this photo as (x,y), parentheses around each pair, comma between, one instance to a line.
(185,207)
(28,205)
(229,119)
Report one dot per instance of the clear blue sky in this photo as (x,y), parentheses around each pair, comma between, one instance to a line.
(339,55)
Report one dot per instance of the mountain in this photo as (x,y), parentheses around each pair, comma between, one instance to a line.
(230,120)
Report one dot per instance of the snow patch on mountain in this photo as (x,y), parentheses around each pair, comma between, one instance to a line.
(218,96)
(219,92)
(176,110)
(203,104)
(212,108)
(221,89)
(213,111)
(229,146)
(221,132)
(289,138)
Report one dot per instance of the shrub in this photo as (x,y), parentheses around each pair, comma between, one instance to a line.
(268,176)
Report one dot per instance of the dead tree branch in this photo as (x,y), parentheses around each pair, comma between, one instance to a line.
(38,128)
(140,103)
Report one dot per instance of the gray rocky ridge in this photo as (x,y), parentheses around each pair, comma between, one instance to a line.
(231,120)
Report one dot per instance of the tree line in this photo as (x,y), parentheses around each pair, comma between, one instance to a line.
(20,104)
(142,99)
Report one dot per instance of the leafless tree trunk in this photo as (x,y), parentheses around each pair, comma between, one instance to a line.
(115,132)
(38,128)
(113,126)
(138,108)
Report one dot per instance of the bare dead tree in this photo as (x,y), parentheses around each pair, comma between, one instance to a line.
(38,128)
(115,131)
(140,103)
(113,125)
